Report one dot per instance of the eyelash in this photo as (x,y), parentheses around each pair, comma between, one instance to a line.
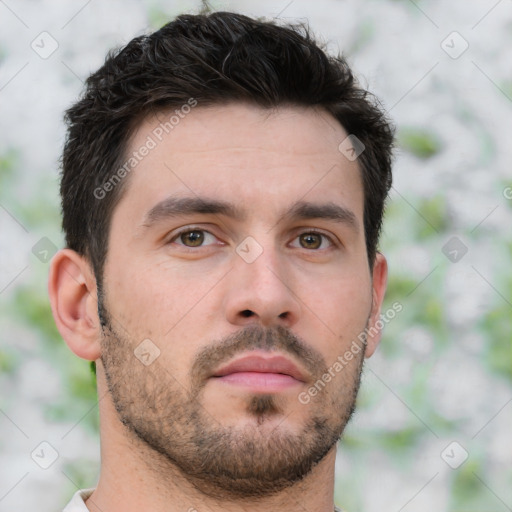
(316,232)
(189,229)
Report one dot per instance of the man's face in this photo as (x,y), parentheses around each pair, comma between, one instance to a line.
(238,250)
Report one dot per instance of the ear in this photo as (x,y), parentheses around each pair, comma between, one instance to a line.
(379,282)
(73,297)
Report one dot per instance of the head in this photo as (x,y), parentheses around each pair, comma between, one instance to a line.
(212,211)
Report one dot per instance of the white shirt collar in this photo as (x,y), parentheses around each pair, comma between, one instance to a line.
(77,503)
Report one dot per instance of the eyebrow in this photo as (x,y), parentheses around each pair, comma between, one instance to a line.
(181,206)
(329,211)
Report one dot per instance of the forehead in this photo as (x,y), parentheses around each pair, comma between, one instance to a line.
(241,153)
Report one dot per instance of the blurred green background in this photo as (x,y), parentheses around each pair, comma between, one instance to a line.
(443,372)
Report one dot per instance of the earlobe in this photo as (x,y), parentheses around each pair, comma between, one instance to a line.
(379,283)
(72,292)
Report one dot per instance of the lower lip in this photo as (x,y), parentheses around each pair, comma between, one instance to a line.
(258,381)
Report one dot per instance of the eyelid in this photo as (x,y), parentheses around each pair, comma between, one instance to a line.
(333,240)
(185,229)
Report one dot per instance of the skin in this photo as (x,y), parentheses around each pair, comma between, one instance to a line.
(193,301)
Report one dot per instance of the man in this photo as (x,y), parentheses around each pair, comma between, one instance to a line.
(223,188)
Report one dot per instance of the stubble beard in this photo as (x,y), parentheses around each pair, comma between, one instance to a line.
(225,462)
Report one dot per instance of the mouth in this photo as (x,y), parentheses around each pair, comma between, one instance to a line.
(261,372)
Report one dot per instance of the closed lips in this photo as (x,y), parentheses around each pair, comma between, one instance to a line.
(262,364)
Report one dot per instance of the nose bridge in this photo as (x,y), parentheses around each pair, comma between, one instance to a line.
(262,289)
(259,266)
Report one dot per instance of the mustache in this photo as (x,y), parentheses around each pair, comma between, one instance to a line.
(255,337)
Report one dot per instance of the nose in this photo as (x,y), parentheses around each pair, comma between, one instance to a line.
(261,291)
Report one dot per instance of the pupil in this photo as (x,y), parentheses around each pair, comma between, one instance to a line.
(310,240)
(193,238)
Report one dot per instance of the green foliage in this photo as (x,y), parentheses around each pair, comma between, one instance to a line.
(507,186)
(498,326)
(159,17)
(398,288)
(421,218)
(82,383)
(431,314)
(420,142)
(81,474)
(364,36)
(38,213)
(8,361)
(7,166)
(433,213)
(34,310)
(79,395)
(79,399)
(467,491)
(400,441)
(506,88)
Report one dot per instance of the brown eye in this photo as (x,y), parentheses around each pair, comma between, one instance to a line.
(192,238)
(310,240)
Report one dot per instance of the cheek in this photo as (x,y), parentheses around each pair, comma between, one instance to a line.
(172,307)
(337,306)
(157,297)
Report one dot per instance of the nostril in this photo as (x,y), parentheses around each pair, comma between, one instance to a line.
(283,315)
(247,313)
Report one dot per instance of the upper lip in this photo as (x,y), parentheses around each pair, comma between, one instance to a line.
(262,363)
